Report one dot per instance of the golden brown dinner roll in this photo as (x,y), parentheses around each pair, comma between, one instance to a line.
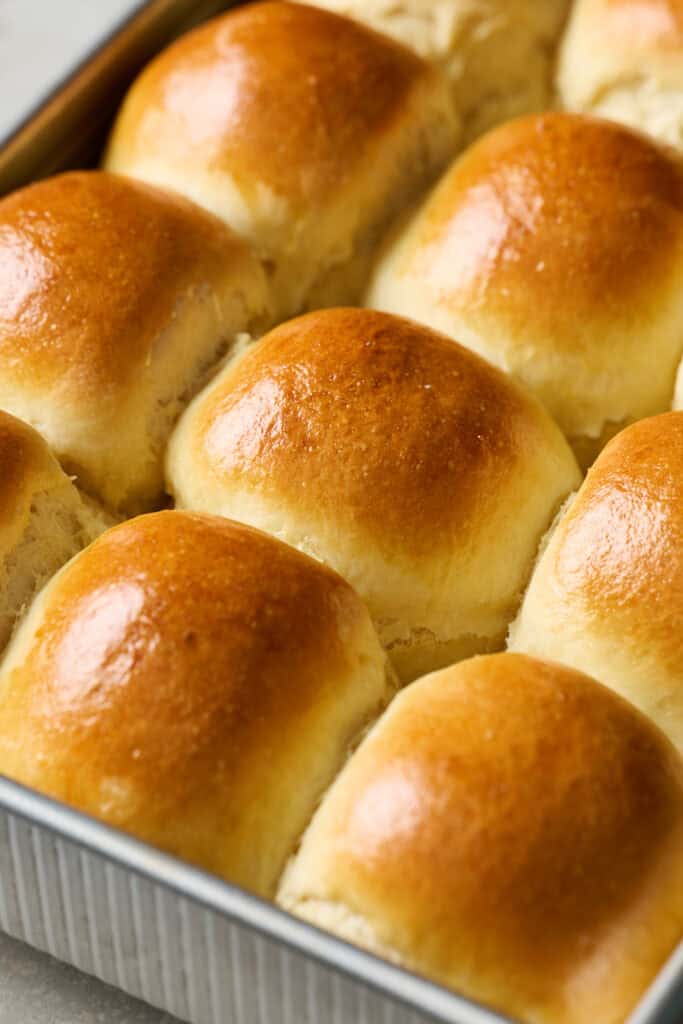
(115,299)
(513,830)
(624,59)
(196,683)
(554,248)
(43,518)
(498,54)
(607,593)
(419,472)
(305,131)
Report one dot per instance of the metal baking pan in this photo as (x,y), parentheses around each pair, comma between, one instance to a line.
(152,925)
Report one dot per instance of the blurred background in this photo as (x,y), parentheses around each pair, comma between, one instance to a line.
(40,39)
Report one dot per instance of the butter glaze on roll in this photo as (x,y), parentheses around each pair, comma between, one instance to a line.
(498,54)
(554,248)
(512,830)
(623,59)
(304,131)
(193,682)
(44,521)
(415,469)
(115,299)
(607,593)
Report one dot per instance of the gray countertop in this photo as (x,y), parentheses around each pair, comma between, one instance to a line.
(35,989)
(40,40)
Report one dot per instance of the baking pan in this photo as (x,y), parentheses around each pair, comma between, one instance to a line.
(154,926)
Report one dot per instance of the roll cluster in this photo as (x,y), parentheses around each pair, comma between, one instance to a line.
(302,578)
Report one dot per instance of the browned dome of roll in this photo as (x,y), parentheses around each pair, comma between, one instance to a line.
(607,594)
(346,405)
(223,85)
(115,297)
(174,680)
(396,456)
(511,829)
(303,130)
(498,54)
(554,248)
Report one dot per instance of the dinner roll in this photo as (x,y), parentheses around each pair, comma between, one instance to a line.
(624,59)
(498,54)
(607,593)
(512,830)
(43,519)
(193,682)
(305,131)
(554,248)
(115,299)
(419,472)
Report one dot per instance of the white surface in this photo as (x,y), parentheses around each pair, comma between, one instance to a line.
(41,40)
(35,989)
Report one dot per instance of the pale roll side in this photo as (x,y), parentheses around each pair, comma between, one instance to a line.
(44,520)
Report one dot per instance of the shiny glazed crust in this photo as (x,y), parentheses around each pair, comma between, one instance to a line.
(624,59)
(104,282)
(196,683)
(607,594)
(392,454)
(511,829)
(554,248)
(304,131)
